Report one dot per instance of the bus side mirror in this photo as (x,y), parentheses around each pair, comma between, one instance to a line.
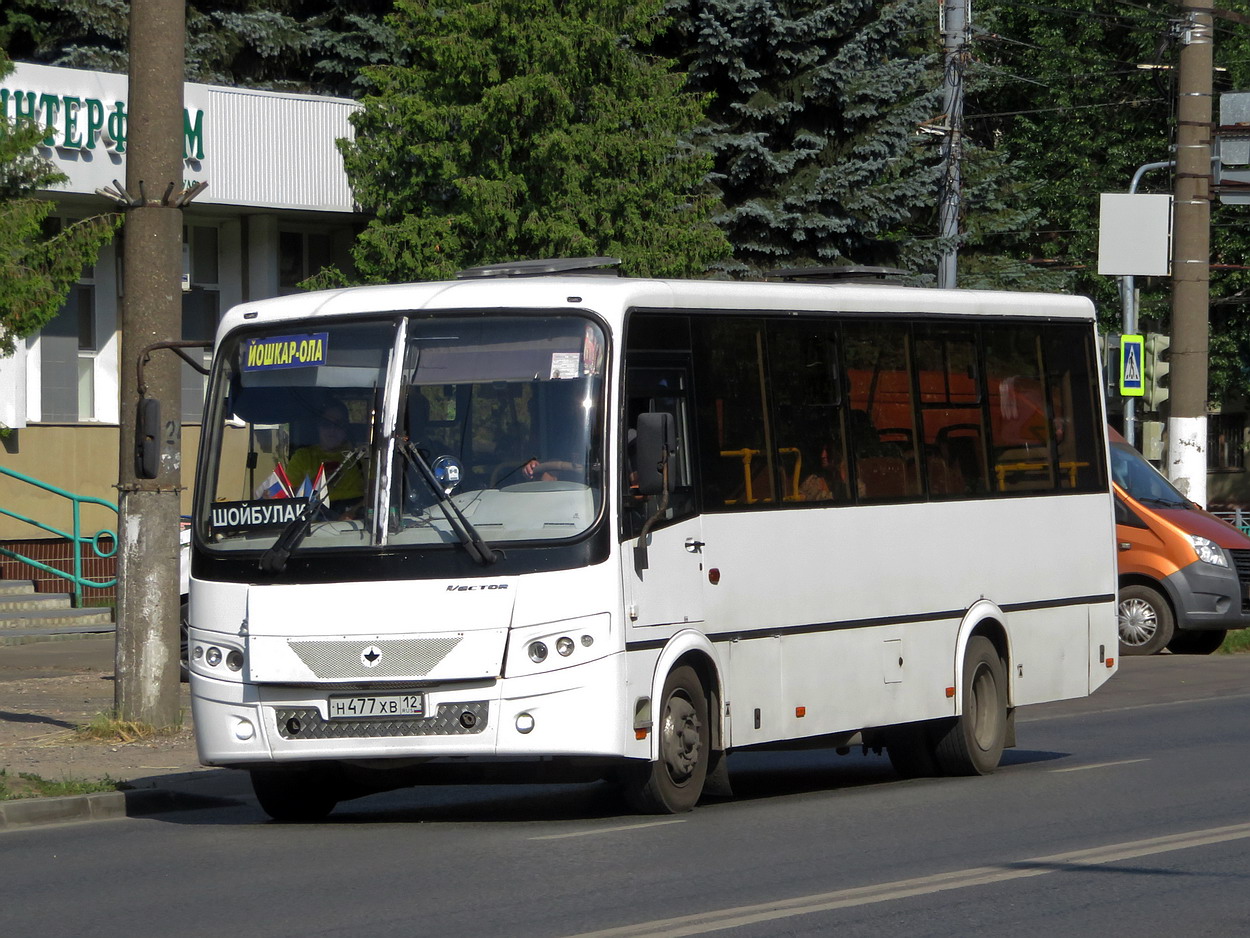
(655,444)
(147,439)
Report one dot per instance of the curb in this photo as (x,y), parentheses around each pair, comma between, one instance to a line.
(38,812)
(105,806)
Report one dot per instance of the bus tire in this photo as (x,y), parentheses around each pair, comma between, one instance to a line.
(1202,642)
(973,743)
(1145,620)
(673,783)
(294,796)
(911,750)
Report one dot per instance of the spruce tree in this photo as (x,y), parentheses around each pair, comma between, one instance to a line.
(316,46)
(37,266)
(815,124)
(525,129)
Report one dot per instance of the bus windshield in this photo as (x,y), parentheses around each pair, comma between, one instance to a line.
(401,432)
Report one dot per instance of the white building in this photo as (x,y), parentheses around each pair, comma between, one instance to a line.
(277,208)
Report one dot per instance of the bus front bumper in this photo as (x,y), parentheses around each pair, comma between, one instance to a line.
(572,712)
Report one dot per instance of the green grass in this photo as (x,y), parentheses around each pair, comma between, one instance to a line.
(29,785)
(1237,642)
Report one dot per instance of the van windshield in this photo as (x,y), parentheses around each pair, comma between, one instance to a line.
(1142,481)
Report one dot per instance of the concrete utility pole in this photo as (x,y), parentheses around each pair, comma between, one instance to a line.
(956,17)
(1191,255)
(147,685)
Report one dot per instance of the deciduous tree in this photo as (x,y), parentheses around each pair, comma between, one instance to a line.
(37,266)
(529,128)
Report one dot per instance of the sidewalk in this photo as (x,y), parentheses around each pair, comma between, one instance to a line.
(49,688)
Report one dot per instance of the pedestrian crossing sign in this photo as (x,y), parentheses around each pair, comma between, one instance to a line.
(1132,373)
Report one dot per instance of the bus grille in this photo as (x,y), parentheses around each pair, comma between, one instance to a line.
(339,660)
(447,721)
(1241,560)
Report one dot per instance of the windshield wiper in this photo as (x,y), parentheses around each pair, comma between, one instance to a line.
(1161,502)
(274,559)
(478,549)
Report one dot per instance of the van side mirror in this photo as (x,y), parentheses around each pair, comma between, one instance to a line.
(655,444)
(147,439)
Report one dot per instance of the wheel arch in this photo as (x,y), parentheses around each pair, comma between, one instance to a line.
(692,649)
(986,619)
(1162,587)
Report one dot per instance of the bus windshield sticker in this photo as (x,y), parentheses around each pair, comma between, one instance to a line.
(566,365)
(285,351)
(241,517)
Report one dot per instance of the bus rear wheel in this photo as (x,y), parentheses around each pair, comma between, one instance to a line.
(973,743)
(294,796)
(673,783)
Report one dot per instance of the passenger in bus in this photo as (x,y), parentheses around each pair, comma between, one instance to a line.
(825,482)
(346,494)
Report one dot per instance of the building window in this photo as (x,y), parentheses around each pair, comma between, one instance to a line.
(301,254)
(68,346)
(1226,435)
(201,308)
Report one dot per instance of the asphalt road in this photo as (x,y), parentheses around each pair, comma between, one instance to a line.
(1123,814)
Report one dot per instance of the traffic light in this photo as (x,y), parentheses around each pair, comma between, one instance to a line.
(1157,369)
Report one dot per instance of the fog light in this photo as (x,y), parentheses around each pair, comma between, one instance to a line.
(199,652)
(564,646)
(538,652)
(212,657)
(234,660)
(524,723)
(588,640)
(468,720)
(243,729)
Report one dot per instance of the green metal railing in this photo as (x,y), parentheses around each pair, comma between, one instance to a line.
(75,536)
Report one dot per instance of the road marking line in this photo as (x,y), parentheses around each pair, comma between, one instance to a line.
(716,920)
(1044,718)
(607,830)
(1099,765)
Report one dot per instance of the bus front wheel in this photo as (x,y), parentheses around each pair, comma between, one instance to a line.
(294,796)
(673,783)
(973,743)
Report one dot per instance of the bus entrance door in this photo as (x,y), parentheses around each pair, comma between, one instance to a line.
(663,568)
(664,577)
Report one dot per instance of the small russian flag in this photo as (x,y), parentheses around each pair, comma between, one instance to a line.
(276,485)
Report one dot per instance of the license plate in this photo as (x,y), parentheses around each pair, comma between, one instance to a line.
(379,705)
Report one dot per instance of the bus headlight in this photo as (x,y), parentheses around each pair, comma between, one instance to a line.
(565,643)
(1208,551)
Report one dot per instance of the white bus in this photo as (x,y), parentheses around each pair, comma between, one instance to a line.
(566,524)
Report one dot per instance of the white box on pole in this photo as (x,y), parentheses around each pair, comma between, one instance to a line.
(1135,235)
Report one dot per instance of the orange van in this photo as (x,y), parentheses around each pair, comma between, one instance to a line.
(1184,573)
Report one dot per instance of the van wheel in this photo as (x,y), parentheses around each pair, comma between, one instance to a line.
(673,783)
(973,743)
(1145,620)
(1203,642)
